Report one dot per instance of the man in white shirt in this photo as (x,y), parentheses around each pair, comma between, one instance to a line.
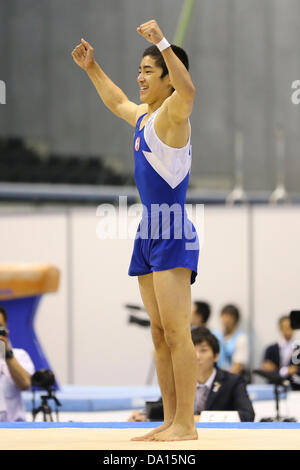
(278,356)
(16,369)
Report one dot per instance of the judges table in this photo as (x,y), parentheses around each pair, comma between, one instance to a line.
(21,289)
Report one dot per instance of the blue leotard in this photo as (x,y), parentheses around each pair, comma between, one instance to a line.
(165,238)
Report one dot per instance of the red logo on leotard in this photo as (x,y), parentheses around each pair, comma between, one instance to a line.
(137,143)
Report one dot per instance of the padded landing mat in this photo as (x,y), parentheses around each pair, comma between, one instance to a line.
(101,436)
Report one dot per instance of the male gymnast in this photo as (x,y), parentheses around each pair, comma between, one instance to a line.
(166,266)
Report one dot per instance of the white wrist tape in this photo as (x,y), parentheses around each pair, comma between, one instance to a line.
(163,44)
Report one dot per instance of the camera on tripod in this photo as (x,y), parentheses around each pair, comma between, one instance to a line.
(274,378)
(45,380)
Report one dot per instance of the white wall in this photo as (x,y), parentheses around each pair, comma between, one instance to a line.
(276,260)
(107,350)
(83,328)
(223,263)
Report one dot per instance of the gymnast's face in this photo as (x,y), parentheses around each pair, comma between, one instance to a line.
(206,357)
(152,86)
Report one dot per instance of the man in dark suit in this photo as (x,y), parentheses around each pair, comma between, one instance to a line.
(278,357)
(217,389)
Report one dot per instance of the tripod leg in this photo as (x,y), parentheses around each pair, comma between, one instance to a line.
(277,403)
(151,372)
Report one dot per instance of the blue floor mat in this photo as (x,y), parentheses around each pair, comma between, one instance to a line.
(133,425)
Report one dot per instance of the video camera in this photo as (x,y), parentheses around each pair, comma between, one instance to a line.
(275,378)
(45,380)
(295,319)
(3,331)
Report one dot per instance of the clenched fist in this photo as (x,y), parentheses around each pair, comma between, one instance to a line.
(83,55)
(151,31)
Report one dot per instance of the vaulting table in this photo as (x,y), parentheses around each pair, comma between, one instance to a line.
(21,289)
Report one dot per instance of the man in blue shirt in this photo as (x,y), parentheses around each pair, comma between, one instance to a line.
(234,348)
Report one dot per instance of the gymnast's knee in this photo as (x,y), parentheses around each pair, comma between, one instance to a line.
(176,337)
(158,337)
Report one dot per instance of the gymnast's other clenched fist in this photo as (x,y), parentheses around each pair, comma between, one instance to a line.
(83,55)
(151,31)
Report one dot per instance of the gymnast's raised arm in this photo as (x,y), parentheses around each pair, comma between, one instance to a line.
(112,96)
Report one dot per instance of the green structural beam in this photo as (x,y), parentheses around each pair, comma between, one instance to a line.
(183,22)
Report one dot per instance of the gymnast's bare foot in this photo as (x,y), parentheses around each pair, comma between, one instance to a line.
(150,436)
(177,432)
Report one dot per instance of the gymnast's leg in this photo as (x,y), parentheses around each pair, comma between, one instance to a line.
(173,294)
(163,358)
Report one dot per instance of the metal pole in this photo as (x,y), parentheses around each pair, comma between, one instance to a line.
(183,22)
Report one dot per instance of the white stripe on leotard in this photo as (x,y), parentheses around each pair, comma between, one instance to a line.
(172,164)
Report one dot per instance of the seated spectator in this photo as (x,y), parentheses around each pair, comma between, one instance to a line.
(216,389)
(200,314)
(16,369)
(278,356)
(233,342)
